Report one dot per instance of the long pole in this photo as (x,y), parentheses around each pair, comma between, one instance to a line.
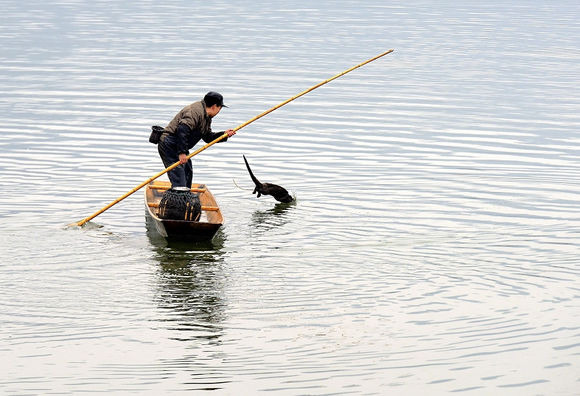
(199,150)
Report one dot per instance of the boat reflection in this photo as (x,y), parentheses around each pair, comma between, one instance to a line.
(190,287)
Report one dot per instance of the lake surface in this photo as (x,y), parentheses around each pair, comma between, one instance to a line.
(434,244)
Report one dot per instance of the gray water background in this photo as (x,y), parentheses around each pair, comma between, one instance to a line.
(434,245)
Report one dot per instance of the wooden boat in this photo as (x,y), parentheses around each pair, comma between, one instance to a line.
(203,230)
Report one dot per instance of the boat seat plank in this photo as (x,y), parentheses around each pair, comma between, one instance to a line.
(165,188)
(206,208)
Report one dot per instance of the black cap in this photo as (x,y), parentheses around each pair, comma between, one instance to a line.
(213,98)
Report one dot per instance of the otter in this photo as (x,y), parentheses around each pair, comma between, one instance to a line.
(278,192)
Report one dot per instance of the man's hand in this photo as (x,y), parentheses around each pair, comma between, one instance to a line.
(182,158)
(230,132)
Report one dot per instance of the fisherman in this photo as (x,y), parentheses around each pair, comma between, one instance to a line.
(191,124)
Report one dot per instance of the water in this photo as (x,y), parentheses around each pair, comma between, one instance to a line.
(433,247)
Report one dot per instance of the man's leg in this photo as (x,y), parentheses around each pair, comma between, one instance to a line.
(188,173)
(168,153)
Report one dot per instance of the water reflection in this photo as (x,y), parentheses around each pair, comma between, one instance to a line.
(279,215)
(190,286)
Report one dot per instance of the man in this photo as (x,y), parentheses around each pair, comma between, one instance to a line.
(190,125)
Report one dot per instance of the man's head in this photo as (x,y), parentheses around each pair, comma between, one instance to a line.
(213,103)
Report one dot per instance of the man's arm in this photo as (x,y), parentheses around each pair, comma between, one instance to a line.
(210,137)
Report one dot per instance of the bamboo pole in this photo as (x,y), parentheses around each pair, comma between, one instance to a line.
(199,150)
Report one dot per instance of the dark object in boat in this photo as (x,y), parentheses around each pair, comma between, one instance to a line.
(180,204)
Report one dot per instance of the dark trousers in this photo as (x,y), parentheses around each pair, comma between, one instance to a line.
(181,176)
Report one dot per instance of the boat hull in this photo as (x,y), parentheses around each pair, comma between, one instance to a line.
(203,230)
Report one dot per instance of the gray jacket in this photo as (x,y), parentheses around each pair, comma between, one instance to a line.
(191,124)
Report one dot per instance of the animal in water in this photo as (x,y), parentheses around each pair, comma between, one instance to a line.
(278,192)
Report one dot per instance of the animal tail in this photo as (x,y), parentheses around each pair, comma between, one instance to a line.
(256,181)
